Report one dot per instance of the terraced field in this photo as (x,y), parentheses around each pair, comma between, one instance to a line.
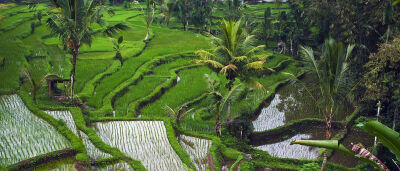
(24,135)
(122,122)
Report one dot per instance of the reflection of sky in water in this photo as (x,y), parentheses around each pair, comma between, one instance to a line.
(291,102)
(270,116)
(285,150)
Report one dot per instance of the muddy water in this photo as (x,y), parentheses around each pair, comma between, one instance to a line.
(291,102)
(285,150)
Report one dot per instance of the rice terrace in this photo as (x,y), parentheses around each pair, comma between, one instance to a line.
(199,85)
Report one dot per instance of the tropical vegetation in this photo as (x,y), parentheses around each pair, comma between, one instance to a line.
(199,85)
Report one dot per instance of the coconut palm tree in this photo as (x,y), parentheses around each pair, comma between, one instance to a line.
(235,55)
(267,27)
(332,80)
(73,26)
(220,99)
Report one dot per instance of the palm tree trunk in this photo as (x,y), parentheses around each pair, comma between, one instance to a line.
(34,94)
(75,54)
(291,46)
(218,126)
(228,114)
(167,19)
(147,32)
(395,115)
(387,34)
(209,29)
(328,120)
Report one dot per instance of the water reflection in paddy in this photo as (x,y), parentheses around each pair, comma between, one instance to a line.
(285,150)
(291,102)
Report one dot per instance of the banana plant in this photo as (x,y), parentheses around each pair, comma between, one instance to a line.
(386,136)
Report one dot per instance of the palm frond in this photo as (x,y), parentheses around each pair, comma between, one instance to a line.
(213,63)
(229,67)
(170,111)
(48,76)
(110,30)
(257,65)
(53,25)
(29,77)
(308,56)
(254,84)
(183,114)
(293,79)
(239,59)
(255,50)
(205,55)
(232,95)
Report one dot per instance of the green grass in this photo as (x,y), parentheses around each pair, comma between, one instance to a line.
(189,87)
(13,62)
(112,81)
(99,44)
(169,42)
(87,69)
(145,86)
(12,22)
(101,80)
(134,92)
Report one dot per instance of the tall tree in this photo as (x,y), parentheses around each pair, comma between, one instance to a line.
(220,100)
(388,19)
(235,56)
(278,4)
(332,80)
(210,16)
(168,10)
(182,11)
(73,26)
(201,9)
(233,10)
(382,81)
(267,26)
(149,16)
